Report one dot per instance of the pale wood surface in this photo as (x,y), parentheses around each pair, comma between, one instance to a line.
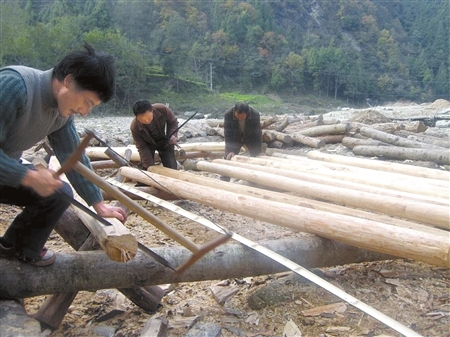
(390,239)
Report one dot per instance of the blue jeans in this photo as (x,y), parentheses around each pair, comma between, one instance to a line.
(31,229)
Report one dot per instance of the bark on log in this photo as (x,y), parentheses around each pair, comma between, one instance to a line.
(394,140)
(387,127)
(308,141)
(283,125)
(325,130)
(276,144)
(331,139)
(430,140)
(435,215)
(440,157)
(282,137)
(415,171)
(430,187)
(91,271)
(288,199)
(297,126)
(267,122)
(268,137)
(351,142)
(393,240)
(98,153)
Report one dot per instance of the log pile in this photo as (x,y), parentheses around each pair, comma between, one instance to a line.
(397,140)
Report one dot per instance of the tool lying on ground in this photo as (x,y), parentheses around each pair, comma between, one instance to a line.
(198,252)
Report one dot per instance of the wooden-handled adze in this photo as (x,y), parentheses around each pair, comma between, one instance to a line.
(197,251)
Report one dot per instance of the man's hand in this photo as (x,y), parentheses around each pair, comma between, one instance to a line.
(110,212)
(230,155)
(43,182)
(173,140)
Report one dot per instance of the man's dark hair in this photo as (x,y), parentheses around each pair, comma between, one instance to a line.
(91,71)
(242,107)
(141,106)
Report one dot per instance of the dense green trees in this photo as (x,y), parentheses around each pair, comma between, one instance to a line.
(348,49)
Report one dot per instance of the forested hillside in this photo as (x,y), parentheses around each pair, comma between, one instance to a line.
(344,49)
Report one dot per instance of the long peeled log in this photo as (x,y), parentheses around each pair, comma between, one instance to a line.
(372,235)
(400,182)
(372,164)
(288,198)
(441,157)
(412,210)
(260,164)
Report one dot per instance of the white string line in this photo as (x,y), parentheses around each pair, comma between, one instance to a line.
(397,326)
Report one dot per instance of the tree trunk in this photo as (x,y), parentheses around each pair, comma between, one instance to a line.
(91,271)
(440,157)
(267,122)
(288,198)
(283,125)
(393,240)
(331,139)
(430,140)
(365,163)
(351,142)
(98,153)
(435,188)
(308,141)
(395,140)
(325,130)
(426,213)
(282,137)
(261,164)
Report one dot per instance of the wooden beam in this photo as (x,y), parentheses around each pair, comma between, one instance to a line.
(426,213)
(373,235)
(380,165)
(290,199)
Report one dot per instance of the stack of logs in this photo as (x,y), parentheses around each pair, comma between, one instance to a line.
(392,140)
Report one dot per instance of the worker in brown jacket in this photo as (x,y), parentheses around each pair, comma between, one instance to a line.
(154,129)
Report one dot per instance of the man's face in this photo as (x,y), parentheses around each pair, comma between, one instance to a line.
(72,101)
(240,114)
(146,117)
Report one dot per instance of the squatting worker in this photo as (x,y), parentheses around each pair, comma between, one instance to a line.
(154,129)
(35,104)
(242,126)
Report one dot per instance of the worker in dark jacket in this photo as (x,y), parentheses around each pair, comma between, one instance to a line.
(154,129)
(242,126)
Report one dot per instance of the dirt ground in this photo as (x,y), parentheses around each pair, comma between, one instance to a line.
(413,293)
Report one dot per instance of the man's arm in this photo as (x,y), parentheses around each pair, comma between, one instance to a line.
(13,98)
(64,142)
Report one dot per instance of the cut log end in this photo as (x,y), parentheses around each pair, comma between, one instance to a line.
(122,249)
